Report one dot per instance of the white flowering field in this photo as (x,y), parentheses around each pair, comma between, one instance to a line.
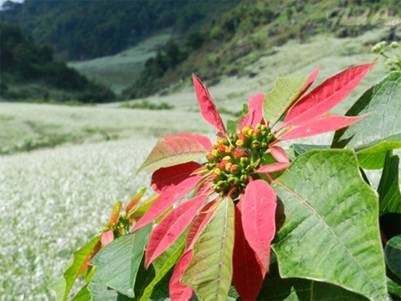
(51,201)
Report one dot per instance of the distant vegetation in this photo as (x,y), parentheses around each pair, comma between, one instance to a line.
(210,38)
(249,30)
(147,105)
(87,29)
(29,71)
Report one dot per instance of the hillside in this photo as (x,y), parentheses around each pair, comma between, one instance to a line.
(86,29)
(119,70)
(153,46)
(29,71)
(251,30)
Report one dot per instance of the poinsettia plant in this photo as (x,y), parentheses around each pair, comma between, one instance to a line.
(245,218)
(235,177)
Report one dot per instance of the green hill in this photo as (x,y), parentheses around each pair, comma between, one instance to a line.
(29,71)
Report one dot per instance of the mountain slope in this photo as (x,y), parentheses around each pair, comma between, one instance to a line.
(28,71)
(87,29)
(250,30)
(118,71)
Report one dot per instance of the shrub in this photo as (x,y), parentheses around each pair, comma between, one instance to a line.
(245,217)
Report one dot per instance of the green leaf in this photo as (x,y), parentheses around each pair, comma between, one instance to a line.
(276,288)
(171,151)
(373,157)
(393,255)
(100,292)
(63,287)
(389,186)
(393,287)
(299,149)
(83,295)
(331,232)
(285,91)
(163,265)
(380,130)
(145,277)
(210,271)
(117,264)
(58,287)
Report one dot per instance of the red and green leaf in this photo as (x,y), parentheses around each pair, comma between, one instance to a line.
(279,166)
(198,224)
(258,208)
(247,276)
(107,237)
(255,105)
(173,175)
(171,227)
(205,141)
(208,109)
(320,126)
(209,273)
(311,79)
(179,291)
(115,214)
(173,150)
(139,211)
(285,93)
(326,96)
(168,197)
(134,201)
(279,154)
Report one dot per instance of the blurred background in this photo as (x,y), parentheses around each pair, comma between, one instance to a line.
(87,86)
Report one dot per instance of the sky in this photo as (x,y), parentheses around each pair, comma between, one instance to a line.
(2,1)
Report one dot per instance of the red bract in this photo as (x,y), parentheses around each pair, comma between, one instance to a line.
(247,275)
(172,176)
(167,198)
(238,167)
(170,228)
(208,109)
(107,237)
(326,96)
(258,208)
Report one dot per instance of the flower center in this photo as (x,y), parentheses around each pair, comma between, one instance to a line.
(233,160)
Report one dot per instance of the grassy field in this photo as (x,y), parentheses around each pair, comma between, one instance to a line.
(117,71)
(84,158)
(30,126)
